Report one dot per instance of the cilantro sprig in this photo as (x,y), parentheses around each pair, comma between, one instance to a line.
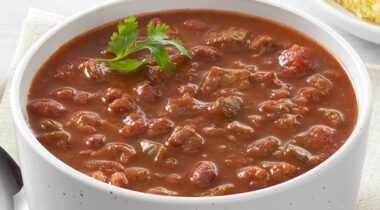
(123,43)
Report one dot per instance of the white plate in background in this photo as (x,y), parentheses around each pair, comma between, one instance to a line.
(334,13)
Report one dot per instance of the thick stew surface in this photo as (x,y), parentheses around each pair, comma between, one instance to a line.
(258,104)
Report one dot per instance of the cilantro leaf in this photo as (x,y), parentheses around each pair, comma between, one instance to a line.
(126,65)
(157,38)
(159,53)
(123,44)
(179,45)
(158,32)
(127,34)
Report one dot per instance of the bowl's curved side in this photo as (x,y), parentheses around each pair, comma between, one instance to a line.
(334,13)
(62,187)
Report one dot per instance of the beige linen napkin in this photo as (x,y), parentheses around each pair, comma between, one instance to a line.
(39,22)
(35,25)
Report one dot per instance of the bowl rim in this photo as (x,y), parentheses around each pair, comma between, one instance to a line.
(23,129)
(336,17)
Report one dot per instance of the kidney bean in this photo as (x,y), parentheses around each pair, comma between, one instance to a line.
(159,127)
(118,179)
(105,166)
(111,94)
(203,174)
(46,108)
(95,141)
(137,174)
(194,24)
(223,189)
(206,53)
(254,176)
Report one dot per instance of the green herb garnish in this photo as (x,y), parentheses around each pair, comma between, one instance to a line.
(123,43)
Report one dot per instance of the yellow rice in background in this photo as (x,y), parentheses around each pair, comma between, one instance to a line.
(368,9)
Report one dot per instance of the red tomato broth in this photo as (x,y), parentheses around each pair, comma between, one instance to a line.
(227,149)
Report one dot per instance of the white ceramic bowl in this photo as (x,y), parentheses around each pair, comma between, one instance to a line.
(51,184)
(334,13)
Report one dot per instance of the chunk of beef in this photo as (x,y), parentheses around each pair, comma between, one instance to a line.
(263,147)
(218,78)
(154,150)
(118,179)
(161,191)
(266,79)
(254,176)
(281,171)
(137,174)
(85,121)
(135,124)
(92,69)
(203,174)
(46,108)
(184,106)
(296,61)
(230,39)
(159,127)
(333,117)
(121,105)
(121,152)
(146,93)
(320,82)
(206,53)
(111,94)
(223,189)
(240,130)
(195,25)
(263,44)
(186,139)
(227,106)
(189,88)
(105,166)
